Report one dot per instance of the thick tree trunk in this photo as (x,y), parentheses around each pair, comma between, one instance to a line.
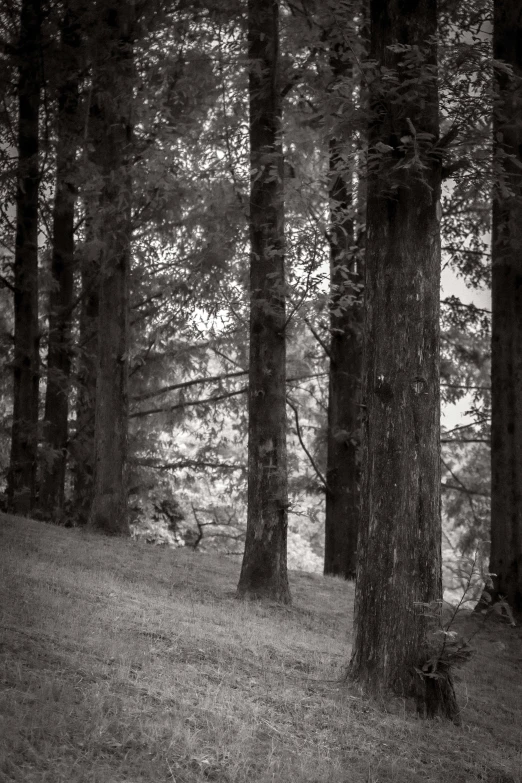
(113,104)
(399,585)
(21,482)
(263,572)
(60,299)
(506,349)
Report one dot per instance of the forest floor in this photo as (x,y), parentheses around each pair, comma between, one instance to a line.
(128,663)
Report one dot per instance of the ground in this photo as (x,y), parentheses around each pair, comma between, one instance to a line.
(122,662)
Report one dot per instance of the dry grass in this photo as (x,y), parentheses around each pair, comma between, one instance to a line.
(122,662)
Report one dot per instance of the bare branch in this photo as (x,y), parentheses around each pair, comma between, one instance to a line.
(187,404)
(187,384)
(318,337)
(465,440)
(465,490)
(303,445)
(187,463)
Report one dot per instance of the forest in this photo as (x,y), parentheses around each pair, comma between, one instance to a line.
(224,226)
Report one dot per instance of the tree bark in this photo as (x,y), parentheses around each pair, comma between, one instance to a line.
(113,105)
(21,482)
(264,569)
(506,347)
(83,443)
(62,274)
(342,471)
(399,584)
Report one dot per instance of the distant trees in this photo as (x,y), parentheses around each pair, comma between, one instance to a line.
(21,480)
(506,345)
(399,585)
(263,571)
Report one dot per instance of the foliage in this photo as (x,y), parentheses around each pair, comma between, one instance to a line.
(190,248)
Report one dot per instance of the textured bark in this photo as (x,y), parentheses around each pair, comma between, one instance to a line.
(62,272)
(399,585)
(21,481)
(112,114)
(342,472)
(506,349)
(263,572)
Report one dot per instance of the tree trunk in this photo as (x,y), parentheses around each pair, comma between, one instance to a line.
(83,443)
(113,104)
(60,299)
(399,585)
(264,570)
(342,472)
(506,349)
(21,482)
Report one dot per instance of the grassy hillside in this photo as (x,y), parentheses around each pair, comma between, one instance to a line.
(123,663)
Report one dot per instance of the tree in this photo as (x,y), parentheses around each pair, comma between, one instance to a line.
(62,270)
(399,583)
(342,472)
(112,105)
(21,486)
(263,571)
(82,445)
(506,344)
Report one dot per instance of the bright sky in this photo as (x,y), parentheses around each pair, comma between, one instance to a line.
(452,285)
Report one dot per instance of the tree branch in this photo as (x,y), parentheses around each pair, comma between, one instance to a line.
(303,445)
(465,440)
(467,426)
(319,339)
(5,282)
(215,398)
(465,490)
(187,404)
(187,384)
(187,463)
(452,168)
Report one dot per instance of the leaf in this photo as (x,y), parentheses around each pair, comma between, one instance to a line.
(381,147)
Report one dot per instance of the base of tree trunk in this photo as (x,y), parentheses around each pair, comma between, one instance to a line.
(263,579)
(279,591)
(435,696)
(109,515)
(428,696)
(277,596)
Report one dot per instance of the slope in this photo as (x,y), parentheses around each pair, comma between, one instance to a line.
(126,663)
